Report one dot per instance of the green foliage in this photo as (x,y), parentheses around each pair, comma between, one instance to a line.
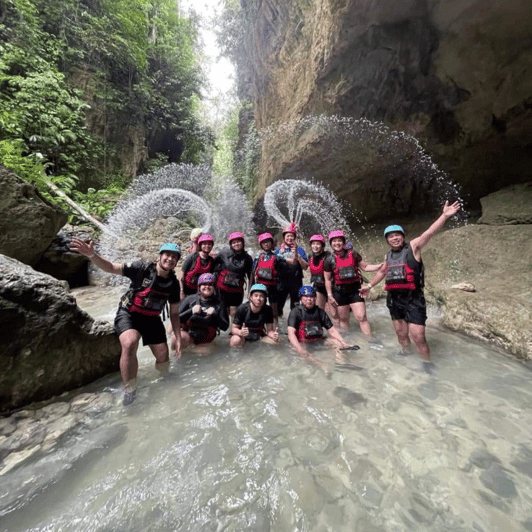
(98,203)
(226,143)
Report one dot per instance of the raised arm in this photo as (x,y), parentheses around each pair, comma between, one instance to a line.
(364,266)
(422,240)
(87,250)
(377,278)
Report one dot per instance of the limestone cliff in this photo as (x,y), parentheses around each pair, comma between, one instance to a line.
(455,75)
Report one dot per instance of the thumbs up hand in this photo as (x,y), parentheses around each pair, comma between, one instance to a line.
(244,331)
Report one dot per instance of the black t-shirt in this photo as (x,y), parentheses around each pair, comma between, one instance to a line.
(135,271)
(190,262)
(253,320)
(217,319)
(227,259)
(299,313)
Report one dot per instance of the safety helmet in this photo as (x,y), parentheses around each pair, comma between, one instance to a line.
(292,228)
(317,238)
(195,233)
(394,228)
(307,291)
(205,238)
(258,288)
(264,236)
(171,248)
(336,234)
(234,236)
(205,278)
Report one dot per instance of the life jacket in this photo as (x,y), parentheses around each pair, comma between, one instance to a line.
(200,335)
(316,271)
(144,299)
(346,270)
(309,330)
(265,271)
(231,278)
(191,277)
(403,271)
(255,333)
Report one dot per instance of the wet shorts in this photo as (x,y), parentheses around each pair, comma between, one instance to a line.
(273,294)
(151,328)
(232,299)
(407,305)
(320,289)
(347,294)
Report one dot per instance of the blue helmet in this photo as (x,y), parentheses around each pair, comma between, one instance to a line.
(258,288)
(171,248)
(393,228)
(307,291)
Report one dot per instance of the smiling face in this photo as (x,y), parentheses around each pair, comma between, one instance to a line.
(206,247)
(257,299)
(289,239)
(237,244)
(167,261)
(308,302)
(338,244)
(395,239)
(317,246)
(206,290)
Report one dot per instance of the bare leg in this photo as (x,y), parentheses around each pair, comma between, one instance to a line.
(359,312)
(417,332)
(162,359)
(237,341)
(401,330)
(129,365)
(343,317)
(275,315)
(321,300)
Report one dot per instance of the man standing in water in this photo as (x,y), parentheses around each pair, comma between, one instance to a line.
(138,315)
(404,273)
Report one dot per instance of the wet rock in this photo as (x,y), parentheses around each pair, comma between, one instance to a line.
(421,509)
(53,410)
(29,222)
(496,480)
(466,287)
(57,428)
(494,501)
(527,525)
(14,459)
(49,344)
(370,496)
(26,435)
(508,206)
(483,459)
(349,398)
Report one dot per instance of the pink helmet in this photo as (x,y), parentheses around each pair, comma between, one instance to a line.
(264,236)
(234,236)
(292,228)
(205,238)
(336,234)
(317,238)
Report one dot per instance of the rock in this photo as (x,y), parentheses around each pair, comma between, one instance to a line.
(508,206)
(48,344)
(496,480)
(28,222)
(481,458)
(466,287)
(348,397)
(455,75)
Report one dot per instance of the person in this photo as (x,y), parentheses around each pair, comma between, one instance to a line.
(316,265)
(232,268)
(306,322)
(254,320)
(193,245)
(404,273)
(195,265)
(202,315)
(138,316)
(266,268)
(343,282)
(291,274)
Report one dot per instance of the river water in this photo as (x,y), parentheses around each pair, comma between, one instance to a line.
(259,440)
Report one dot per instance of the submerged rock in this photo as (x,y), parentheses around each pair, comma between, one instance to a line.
(48,344)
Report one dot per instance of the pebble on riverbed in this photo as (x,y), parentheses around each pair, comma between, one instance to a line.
(466,287)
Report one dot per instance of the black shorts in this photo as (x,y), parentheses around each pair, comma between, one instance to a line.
(151,328)
(231,299)
(320,289)
(347,294)
(408,305)
(273,294)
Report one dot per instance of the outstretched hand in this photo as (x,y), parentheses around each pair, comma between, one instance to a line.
(82,247)
(451,210)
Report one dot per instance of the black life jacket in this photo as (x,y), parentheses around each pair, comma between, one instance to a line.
(143,299)
(231,278)
(403,271)
(310,328)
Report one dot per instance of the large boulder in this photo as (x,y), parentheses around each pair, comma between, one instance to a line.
(509,206)
(48,344)
(454,75)
(29,222)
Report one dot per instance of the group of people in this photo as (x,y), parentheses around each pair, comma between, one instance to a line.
(208,294)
